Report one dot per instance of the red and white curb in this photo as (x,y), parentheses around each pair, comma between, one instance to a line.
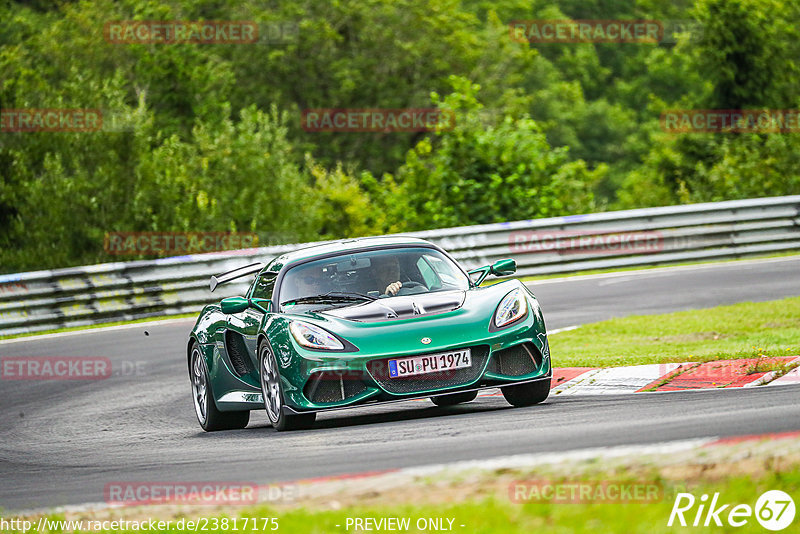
(668,377)
(792,377)
(611,380)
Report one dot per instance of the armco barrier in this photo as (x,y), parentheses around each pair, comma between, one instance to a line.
(41,300)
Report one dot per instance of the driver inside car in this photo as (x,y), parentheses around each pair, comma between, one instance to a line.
(387,273)
(311,282)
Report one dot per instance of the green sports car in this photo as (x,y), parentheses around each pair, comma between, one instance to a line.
(361,322)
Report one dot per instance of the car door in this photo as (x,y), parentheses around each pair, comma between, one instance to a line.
(241,335)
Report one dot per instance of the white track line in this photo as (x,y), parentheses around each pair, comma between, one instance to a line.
(565,329)
(90,330)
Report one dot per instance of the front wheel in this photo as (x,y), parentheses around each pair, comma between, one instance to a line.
(527,394)
(454,398)
(272,391)
(209,417)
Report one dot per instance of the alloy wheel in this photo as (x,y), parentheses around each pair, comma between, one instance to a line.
(270,385)
(199,386)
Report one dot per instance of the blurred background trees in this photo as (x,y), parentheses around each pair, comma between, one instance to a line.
(208,137)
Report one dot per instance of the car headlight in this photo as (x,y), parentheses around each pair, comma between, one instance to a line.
(512,307)
(314,337)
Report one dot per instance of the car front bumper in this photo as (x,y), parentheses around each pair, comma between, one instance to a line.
(316,380)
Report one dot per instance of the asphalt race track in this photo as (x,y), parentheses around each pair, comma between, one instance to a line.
(61,442)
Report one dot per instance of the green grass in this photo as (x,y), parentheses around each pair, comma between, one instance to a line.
(497,514)
(745,330)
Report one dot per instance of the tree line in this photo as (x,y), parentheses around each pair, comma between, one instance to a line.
(209,137)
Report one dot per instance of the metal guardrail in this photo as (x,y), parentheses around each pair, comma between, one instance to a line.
(78,296)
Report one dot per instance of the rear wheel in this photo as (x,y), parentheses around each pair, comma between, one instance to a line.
(527,394)
(209,417)
(454,398)
(272,391)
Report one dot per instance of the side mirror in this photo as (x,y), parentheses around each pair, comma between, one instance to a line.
(234,305)
(498,268)
(503,267)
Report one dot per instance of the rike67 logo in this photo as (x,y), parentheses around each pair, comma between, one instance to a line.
(774,510)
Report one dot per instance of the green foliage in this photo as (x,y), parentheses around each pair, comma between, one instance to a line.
(358,54)
(749,50)
(208,137)
(229,176)
(487,170)
(751,62)
(345,209)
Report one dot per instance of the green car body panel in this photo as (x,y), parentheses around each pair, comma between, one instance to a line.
(229,342)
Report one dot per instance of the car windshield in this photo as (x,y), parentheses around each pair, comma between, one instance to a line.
(369,275)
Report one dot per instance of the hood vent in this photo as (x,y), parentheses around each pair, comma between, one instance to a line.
(405,307)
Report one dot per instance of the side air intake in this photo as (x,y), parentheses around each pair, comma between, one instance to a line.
(237,352)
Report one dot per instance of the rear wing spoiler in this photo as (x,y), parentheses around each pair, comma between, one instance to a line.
(234,274)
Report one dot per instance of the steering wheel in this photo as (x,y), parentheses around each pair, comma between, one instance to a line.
(410,286)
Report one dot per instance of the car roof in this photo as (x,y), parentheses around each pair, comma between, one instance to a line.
(342,246)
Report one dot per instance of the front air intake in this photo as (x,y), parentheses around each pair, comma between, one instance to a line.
(327,386)
(519,360)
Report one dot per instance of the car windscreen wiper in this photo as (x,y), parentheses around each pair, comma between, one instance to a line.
(353,294)
(328,297)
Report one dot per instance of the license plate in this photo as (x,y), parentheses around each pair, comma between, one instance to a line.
(430,363)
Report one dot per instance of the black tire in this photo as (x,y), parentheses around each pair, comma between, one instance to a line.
(454,398)
(527,394)
(272,392)
(208,415)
